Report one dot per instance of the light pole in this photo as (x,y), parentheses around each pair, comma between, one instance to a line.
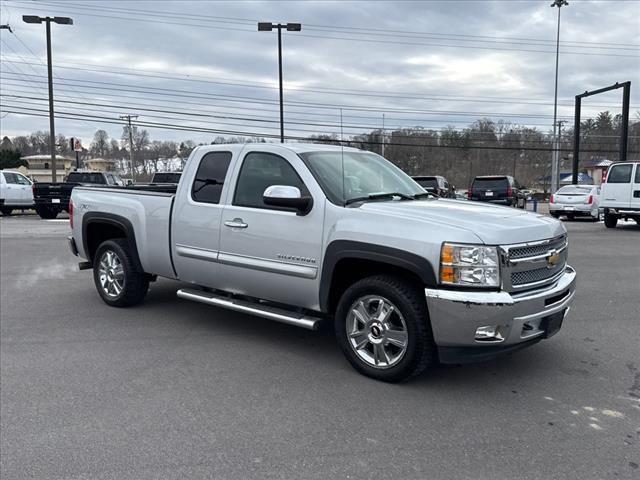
(554,161)
(52,131)
(289,27)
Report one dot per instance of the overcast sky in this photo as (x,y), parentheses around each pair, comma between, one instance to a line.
(204,65)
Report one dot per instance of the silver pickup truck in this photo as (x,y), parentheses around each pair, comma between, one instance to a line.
(302,234)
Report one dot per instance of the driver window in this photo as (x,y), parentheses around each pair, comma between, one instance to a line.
(259,171)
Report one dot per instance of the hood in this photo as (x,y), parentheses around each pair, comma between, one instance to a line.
(493,224)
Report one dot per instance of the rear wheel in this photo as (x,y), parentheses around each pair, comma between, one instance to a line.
(6,211)
(117,280)
(555,214)
(46,212)
(610,220)
(383,328)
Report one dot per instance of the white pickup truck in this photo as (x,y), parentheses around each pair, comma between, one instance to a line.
(620,194)
(303,233)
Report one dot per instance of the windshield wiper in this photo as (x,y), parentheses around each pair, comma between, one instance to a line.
(425,194)
(379,196)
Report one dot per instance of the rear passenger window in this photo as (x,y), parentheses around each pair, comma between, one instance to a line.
(620,174)
(637,173)
(262,170)
(207,186)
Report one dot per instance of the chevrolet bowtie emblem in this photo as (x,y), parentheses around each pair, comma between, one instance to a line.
(553,259)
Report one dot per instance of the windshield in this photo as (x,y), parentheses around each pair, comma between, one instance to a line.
(572,190)
(364,174)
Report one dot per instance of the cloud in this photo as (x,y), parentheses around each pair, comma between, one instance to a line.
(417,66)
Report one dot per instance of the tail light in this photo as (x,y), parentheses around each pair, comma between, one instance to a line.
(71,213)
(552,199)
(509,192)
(590,201)
(469,194)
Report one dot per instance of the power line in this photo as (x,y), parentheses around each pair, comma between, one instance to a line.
(260,135)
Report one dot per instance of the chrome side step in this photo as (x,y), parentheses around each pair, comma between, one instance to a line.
(265,311)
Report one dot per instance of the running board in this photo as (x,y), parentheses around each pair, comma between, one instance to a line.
(265,311)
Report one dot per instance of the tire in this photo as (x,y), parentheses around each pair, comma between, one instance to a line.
(6,211)
(610,220)
(115,275)
(555,214)
(46,213)
(571,216)
(409,321)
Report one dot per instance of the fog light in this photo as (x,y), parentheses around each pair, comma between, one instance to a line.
(489,333)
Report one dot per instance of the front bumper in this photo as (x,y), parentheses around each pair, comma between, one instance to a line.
(520,318)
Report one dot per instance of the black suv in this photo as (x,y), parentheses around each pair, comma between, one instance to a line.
(501,189)
(436,184)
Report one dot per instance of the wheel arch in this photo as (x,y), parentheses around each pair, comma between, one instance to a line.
(346,262)
(98,227)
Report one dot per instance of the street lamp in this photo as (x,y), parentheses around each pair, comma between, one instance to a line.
(290,27)
(52,133)
(554,162)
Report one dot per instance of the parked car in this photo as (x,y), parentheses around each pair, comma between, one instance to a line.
(436,184)
(500,189)
(283,231)
(52,198)
(620,197)
(576,201)
(15,192)
(166,177)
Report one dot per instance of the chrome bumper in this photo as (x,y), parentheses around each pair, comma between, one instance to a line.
(518,317)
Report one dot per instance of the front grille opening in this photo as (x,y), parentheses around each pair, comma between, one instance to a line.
(537,275)
(556,298)
(517,253)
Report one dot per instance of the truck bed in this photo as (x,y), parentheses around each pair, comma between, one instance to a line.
(146,207)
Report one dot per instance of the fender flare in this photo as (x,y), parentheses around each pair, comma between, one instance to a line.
(117,221)
(343,249)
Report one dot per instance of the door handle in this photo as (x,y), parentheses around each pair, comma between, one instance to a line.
(236,223)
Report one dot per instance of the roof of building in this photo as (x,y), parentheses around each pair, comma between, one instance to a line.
(598,162)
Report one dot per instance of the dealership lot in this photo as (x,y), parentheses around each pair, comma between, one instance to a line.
(173,389)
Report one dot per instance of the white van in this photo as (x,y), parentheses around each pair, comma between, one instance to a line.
(620,195)
(15,192)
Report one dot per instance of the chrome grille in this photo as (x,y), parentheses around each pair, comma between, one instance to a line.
(517,253)
(527,265)
(530,276)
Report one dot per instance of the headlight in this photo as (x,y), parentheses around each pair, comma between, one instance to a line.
(469,265)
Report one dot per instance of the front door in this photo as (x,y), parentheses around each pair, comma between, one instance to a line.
(271,253)
(195,223)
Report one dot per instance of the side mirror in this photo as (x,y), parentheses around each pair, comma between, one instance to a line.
(285,196)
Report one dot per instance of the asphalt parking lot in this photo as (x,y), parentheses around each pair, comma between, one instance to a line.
(173,389)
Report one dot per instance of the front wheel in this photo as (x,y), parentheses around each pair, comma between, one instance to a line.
(117,280)
(383,328)
(610,220)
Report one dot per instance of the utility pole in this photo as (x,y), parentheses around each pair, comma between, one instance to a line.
(131,161)
(52,131)
(384,134)
(289,27)
(554,160)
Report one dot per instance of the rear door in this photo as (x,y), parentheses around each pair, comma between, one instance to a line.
(196,218)
(267,252)
(617,190)
(635,188)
